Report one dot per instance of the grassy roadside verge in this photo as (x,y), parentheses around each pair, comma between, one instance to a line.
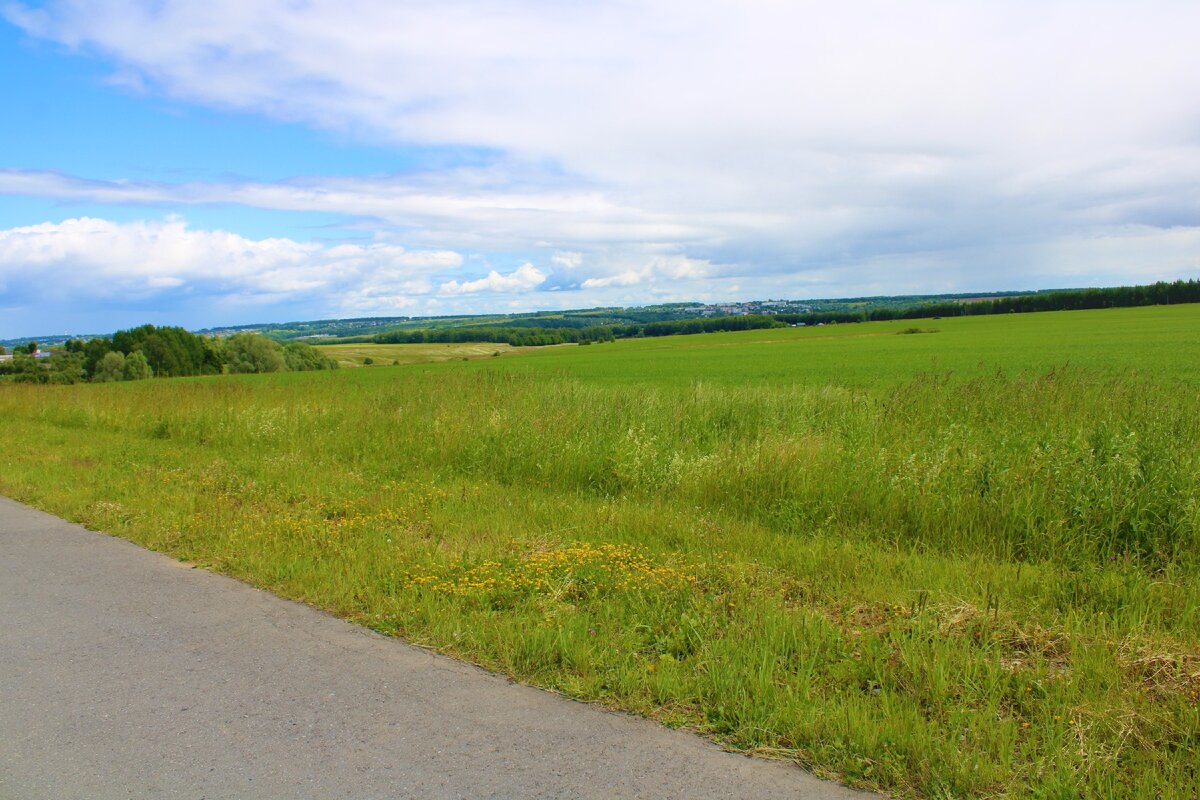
(938,587)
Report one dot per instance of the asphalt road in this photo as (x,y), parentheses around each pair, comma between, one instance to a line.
(124,674)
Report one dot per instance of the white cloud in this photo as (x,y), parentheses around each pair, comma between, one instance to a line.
(658,269)
(460,208)
(627,278)
(523,279)
(567,260)
(103,259)
(653,88)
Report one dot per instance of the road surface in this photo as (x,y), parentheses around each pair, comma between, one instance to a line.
(124,674)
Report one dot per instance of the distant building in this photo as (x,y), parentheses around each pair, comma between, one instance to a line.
(39,353)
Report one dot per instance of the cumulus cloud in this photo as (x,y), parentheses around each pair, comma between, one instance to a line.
(98,259)
(794,148)
(522,279)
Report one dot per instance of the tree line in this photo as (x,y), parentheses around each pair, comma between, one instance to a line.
(150,351)
(1154,294)
(566,332)
(526,336)
(165,352)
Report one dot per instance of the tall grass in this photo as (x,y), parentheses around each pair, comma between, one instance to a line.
(941,586)
(1062,467)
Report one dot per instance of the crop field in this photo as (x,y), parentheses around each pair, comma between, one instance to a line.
(1159,343)
(962,560)
(354,355)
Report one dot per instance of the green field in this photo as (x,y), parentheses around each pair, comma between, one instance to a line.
(961,562)
(1160,342)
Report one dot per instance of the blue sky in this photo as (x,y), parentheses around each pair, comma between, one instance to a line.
(259,160)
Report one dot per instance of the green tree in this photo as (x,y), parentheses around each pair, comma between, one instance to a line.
(214,356)
(170,351)
(301,357)
(111,367)
(136,367)
(163,356)
(252,352)
(25,369)
(93,351)
(65,367)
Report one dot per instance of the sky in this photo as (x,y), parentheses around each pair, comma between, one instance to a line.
(241,161)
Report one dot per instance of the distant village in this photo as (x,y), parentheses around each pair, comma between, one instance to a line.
(37,353)
(767,307)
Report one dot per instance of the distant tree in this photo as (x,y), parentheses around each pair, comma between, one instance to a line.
(170,351)
(301,357)
(93,351)
(252,352)
(2,350)
(111,367)
(214,356)
(24,369)
(65,367)
(29,348)
(368,361)
(136,367)
(163,356)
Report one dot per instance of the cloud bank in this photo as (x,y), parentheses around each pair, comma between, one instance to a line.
(130,262)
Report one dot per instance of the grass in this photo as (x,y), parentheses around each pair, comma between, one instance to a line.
(1160,342)
(955,564)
